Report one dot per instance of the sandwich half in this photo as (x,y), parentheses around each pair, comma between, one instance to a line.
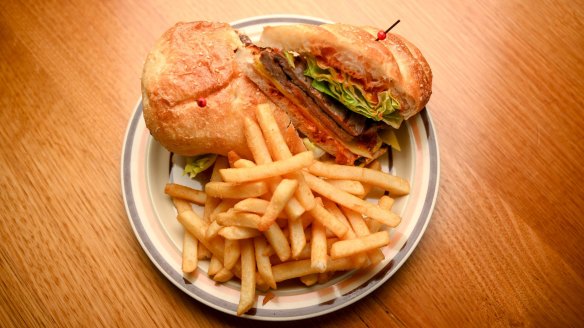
(342,89)
(196,61)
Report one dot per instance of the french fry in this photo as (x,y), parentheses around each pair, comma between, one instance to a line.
(261,284)
(386,202)
(361,229)
(318,254)
(223,206)
(234,232)
(232,157)
(330,234)
(183,192)
(269,250)
(255,205)
(356,221)
(373,225)
(292,269)
(306,220)
(328,220)
(190,258)
(220,163)
(268,297)
(293,209)
(305,252)
(215,266)
(375,256)
(351,186)
(181,205)
(334,210)
(213,229)
(223,275)
(235,190)
(297,237)
(274,138)
(346,263)
(303,192)
(357,204)
(395,185)
(375,165)
(256,143)
(296,269)
(263,261)
(231,254)
(280,198)
(268,170)
(248,277)
(310,279)
(198,228)
(330,242)
(239,219)
(243,163)
(349,247)
(202,252)
(279,243)
(210,204)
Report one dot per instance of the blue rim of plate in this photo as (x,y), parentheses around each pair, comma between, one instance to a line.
(131,186)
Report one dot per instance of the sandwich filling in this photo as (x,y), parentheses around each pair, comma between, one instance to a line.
(355,138)
(378,106)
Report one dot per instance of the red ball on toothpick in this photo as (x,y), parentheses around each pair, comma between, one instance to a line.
(202,102)
(381,35)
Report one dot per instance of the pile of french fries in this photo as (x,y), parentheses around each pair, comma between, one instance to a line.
(284,215)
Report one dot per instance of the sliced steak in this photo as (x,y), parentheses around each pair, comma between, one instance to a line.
(351,122)
(267,58)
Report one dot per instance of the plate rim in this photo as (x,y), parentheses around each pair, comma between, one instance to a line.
(411,244)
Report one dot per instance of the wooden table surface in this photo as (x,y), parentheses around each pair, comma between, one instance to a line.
(505,243)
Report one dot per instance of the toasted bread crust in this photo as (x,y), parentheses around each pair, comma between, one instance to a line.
(191,61)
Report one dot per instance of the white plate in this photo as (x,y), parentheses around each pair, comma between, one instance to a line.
(146,168)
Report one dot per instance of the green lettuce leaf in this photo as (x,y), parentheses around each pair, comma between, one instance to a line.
(198,164)
(339,86)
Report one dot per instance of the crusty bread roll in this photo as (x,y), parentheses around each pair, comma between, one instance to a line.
(392,64)
(196,60)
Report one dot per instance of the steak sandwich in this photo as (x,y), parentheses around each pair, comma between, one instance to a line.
(341,88)
(333,83)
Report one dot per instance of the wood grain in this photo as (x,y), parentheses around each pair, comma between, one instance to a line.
(504,247)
